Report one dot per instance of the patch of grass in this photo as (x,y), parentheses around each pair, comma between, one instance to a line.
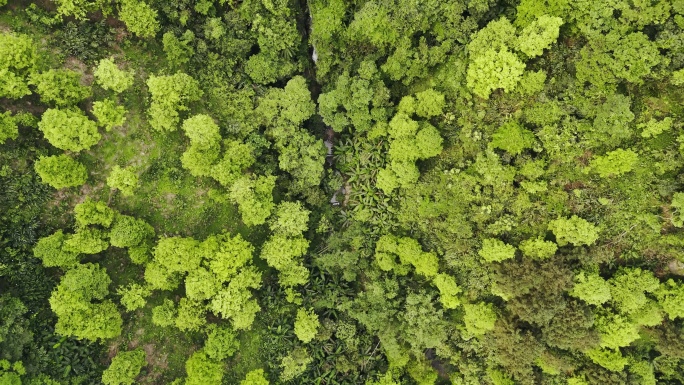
(166,348)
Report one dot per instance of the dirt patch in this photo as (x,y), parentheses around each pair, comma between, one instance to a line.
(75,64)
(112,351)
(155,359)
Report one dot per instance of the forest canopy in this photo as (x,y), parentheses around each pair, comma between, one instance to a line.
(341,192)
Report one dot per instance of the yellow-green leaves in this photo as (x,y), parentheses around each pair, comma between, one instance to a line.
(494,250)
(479,318)
(60,171)
(591,288)
(69,129)
(614,163)
(123,179)
(124,368)
(306,325)
(493,62)
(513,138)
(448,290)
(54,253)
(671,297)
(109,114)
(254,198)
(139,17)
(573,230)
(170,95)
(77,315)
(539,35)
(409,252)
(60,86)
(110,77)
(202,370)
(538,248)
(491,70)
(255,377)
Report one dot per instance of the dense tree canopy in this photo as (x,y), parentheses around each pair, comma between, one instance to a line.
(374,192)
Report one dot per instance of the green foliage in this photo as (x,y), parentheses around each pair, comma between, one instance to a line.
(609,359)
(18,53)
(123,179)
(409,251)
(429,103)
(109,114)
(610,58)
(616,330)
(301,156)
(8,127)
(448,290)
(76,315)
(164,314)
(12,86)
(53,252)
(492,70)
(538,248)
(178,51)
(191,315)
(495,250)
(513,138)
(575,230)
(457,136)
(627,288)
(291,219)
(204,146)
(354,102)
(69,129)
(178,254)
(221,343)
(284,254)
(78,8)
(479,318)
(60,171)
(306,325)
(671,298)
(255,377)
(10,374)
(591,288)
(254,198)
(111,77)
(90,212)
(15,333)
(87,241)
(294,364)
(539,35)
(128,231)
(235,301)
(614,163)
(61,87)
(170,95)
(124,368)
(202,370)
(237,157)
(678,204)
(653,128)
(139,17)
(133,296)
